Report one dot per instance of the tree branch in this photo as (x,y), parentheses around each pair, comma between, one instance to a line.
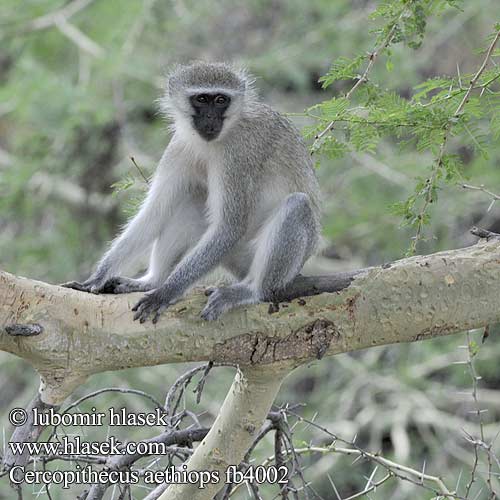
(239,420)
(68,335)
(409,300)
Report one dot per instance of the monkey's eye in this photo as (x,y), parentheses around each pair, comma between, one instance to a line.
(202,99)
(221,99)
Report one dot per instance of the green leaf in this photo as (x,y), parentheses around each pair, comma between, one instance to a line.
(342,69)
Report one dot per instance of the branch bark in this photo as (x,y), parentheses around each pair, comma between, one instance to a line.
(408,300)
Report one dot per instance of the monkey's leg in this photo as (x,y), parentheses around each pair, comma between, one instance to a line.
(283,246)
(182,231)
(286,243)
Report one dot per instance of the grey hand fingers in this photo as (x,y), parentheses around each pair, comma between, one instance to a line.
(205,314)
(211,311)
(143,309)
(148,306)
(139,303)
(146,312)
(159,311)
(210,314)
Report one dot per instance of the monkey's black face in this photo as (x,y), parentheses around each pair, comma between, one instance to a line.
(208,116)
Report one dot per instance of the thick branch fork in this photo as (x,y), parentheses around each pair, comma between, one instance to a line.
(68,335)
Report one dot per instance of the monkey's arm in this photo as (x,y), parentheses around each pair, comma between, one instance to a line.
(230,221)
(139,233)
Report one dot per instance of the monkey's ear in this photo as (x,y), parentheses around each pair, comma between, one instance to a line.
(171,75)
(248,81)
(173,99)
(165,103)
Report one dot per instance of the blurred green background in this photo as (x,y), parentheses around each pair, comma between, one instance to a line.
(78,85)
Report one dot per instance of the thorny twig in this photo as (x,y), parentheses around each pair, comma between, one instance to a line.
(398,470)
(178,388)
(478,444)
(48,20)
(364,77)
(146,180)
(121,390)
(60,19)
(494,197)
(438,163)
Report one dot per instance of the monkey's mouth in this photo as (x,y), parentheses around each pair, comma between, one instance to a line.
(209,135)
(208,129)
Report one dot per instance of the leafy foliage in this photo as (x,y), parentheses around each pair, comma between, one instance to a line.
(463,107)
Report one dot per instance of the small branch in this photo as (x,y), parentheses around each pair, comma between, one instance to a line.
(28,330)
(60,19)
(146,180)
(471,353)
(416,476)
(106,390)
(157,492)
(82,41)
(373,57)
(438,163)
(364,77)
(171,401)
(275,421)
(372,486)
(26,433)
(494,197)
(48,20)
(479,72)
(184,437)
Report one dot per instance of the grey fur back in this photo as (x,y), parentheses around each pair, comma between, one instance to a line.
(276,153)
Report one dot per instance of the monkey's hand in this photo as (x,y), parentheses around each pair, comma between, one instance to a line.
(92,285)
(216,303)
(154,303)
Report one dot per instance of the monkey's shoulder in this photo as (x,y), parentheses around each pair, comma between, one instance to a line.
(265,133)
(264,118)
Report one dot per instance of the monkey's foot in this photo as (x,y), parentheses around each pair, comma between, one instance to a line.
(92,285)
(224,299)
(119,284)
(75,285)
(153,304)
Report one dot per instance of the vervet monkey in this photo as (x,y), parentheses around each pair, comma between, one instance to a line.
(235,187)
